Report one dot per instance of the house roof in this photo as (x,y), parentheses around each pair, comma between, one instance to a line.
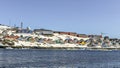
(65,32)
(42,30)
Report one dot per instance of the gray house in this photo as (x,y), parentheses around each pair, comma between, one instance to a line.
(43,31)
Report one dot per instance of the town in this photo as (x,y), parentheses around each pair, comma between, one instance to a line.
(19,37)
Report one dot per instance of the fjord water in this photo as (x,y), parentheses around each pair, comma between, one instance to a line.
(33,58)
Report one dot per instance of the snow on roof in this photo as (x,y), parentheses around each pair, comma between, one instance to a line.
(4,27)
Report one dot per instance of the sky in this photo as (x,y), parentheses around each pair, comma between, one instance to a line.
(80,16)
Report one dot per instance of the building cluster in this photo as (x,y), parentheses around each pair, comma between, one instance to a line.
(10,36)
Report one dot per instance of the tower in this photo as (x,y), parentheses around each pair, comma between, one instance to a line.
(21,25)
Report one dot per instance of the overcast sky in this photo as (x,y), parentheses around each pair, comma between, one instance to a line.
(81,16)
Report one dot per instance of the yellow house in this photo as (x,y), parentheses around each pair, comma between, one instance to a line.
(82,43)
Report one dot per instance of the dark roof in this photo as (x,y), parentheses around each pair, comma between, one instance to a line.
(81,34)
(64,32)
(42,30)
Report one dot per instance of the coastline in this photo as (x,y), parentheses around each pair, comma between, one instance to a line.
(62,48)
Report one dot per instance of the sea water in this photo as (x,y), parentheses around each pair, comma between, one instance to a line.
(35,58)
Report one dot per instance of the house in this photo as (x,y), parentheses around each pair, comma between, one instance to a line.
(95,36)
(12,37)
(69,33)
(43,31)
(4,27)
(66,33)
(82,35)
(24,31)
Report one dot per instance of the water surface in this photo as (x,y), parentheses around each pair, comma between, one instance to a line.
(32,58)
